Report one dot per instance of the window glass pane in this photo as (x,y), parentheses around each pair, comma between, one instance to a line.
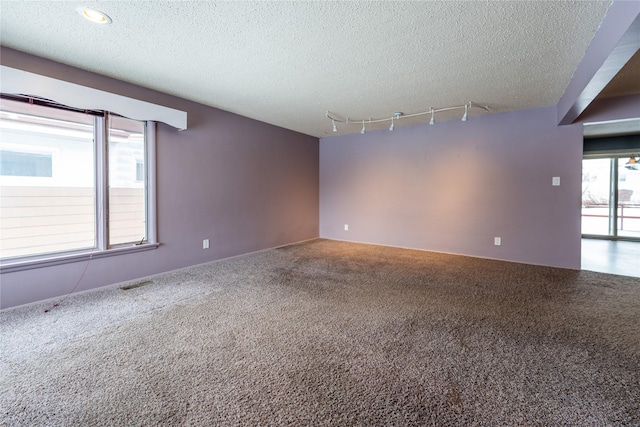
(628,197)
(139,171)
(47,185)
(15,163)
(596,187)
(127,201)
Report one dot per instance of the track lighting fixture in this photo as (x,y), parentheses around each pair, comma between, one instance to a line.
(399,115)
(395,116)
(632,164)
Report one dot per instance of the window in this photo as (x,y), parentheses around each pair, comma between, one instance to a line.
(127,206)
(72,183)
(139,171)
(14,163)
(610,197)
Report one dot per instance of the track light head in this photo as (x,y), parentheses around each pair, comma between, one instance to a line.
(432,121)
(362,131)
(395,116)
(335,128)
(466,113)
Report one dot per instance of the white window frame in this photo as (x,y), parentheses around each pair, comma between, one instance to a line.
(102,248)
(15,81)
(101,137)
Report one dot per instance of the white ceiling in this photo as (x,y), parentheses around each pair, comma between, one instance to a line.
(287,63)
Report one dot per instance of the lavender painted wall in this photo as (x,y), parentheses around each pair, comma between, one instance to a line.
(454,186)
(243,184)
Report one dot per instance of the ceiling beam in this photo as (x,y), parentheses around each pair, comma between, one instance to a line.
(613,45)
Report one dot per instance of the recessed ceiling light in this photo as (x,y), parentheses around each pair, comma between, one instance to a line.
(94,15)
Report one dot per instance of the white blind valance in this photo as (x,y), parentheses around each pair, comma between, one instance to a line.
(19,82)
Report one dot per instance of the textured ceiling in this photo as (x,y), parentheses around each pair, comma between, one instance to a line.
(286,63)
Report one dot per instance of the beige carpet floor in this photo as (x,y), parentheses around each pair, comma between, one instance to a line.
(330,333)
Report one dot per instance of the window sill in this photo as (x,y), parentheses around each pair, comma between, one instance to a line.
(49,261)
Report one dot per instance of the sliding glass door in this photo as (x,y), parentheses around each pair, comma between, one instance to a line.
(611,197)
(628,218)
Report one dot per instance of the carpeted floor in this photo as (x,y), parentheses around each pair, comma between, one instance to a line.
(336,334)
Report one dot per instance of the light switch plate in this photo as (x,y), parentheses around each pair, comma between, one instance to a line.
(555,181)
(497,241)
(346,227)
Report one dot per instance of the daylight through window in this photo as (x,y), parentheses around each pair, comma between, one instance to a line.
(70,181)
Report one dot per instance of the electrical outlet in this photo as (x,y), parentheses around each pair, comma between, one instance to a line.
(497,241)
(346,227)
(205,244)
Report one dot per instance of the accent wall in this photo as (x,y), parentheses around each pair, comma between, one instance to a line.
(455,186)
